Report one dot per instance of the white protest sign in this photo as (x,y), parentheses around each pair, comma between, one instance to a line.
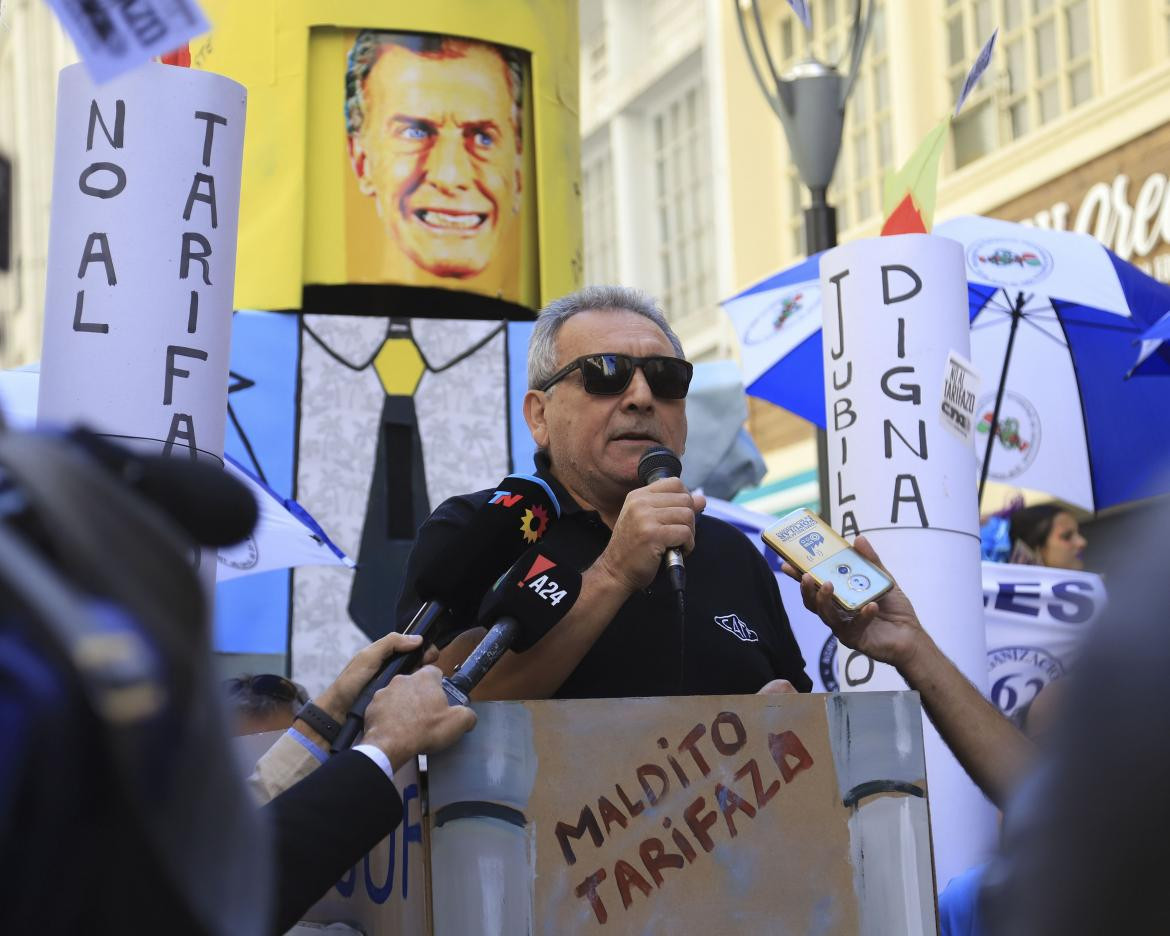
(960,391)
(142,254)
(893,309)
(1037,618)
(114,37)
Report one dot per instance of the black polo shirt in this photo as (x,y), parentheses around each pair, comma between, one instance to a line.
(735,638)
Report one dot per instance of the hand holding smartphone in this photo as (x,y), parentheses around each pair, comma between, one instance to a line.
(810,545)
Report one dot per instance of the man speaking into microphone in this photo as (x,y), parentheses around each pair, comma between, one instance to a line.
(607,382)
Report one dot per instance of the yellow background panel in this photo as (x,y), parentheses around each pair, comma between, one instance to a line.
(265,46)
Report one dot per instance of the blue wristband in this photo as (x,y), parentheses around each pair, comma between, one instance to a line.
(309,746)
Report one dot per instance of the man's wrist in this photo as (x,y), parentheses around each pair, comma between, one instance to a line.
(332,705)
(329,707)
(311,733)
(604,578)
(378,756)
(395,750)
(917,662)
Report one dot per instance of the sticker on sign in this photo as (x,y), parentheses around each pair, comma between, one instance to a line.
(114,36)
(960,391)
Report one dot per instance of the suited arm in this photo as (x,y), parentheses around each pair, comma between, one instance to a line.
(336,814)
(323,825)
(290,760)
(283,765)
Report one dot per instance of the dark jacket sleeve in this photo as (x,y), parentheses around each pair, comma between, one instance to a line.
(435,537)
(323,825)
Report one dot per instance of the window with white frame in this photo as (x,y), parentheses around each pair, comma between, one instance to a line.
(597,59)
(1044,67)
(597,209)
(683,202)
(867,143)
(668,24)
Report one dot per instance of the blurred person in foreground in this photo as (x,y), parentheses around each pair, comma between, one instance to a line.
(121,808)
(958,902)
(1085,823)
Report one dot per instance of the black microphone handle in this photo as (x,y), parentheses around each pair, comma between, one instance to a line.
(483,658)
(422,623)
(676,570)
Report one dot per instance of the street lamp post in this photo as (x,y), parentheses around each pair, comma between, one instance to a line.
(810,101)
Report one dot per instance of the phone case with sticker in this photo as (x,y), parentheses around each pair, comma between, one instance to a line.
(810,545)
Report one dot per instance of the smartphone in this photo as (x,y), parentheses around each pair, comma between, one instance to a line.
(810,545)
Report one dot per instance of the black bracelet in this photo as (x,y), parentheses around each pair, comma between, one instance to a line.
(320,721)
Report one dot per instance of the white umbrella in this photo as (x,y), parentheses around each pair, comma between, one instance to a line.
(1056,319)
(286,536)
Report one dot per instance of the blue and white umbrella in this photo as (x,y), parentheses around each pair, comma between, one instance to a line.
(778,321)
(1070,424)
(1153,340)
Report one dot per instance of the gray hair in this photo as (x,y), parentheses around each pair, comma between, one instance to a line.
(542,347)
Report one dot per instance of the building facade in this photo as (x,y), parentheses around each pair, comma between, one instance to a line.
(691,194)
(33,49)
(687,185)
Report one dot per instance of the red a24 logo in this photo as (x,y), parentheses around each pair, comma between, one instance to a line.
(544,586)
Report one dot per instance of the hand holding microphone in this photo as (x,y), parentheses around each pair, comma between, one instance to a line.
(336,700)
(412,716)
(655,520)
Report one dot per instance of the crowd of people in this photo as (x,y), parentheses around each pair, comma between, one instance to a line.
(1084,809)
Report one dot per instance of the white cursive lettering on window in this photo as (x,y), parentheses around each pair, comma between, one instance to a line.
(1106,213)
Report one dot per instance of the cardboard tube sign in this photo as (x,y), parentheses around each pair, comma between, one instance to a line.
(894,308)
(142,251)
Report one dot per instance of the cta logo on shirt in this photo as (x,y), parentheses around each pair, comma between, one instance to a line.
(732,624)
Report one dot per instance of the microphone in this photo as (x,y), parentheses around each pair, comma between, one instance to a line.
(204,500)
(525,603)
(517,514)
(657,463)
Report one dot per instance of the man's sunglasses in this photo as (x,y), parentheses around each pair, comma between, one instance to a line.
(610,374)
(269,685)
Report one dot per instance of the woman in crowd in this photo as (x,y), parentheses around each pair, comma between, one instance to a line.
(1046,535)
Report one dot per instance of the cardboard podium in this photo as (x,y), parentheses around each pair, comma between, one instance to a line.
(755,814)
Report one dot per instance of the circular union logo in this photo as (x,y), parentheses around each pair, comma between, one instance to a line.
(244,555)
(1019,673)
(1008,262)
(780,311)
(1017,439)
